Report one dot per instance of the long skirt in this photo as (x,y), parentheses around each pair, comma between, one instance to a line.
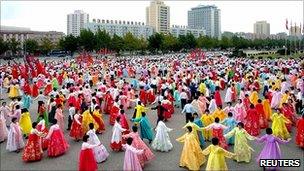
(87,161)
(57,145)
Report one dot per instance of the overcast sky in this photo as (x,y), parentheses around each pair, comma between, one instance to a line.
(236,16)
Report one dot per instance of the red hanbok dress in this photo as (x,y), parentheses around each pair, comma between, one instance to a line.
(35,90)
(218,99)
(114,113)
(108,103)
(246,103)
(252,124)
(48,89)
(263,120)
(27,88)
(76,127)
(143,96)
(289,115)
(57,145)
(300,133)
(217,131)
(97,117)
(33,149)
(124,124)
(234,94)
(87,160)
(150,96)
(169,109)
(42,128)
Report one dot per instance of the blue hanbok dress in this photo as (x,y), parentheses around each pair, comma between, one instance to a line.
(145,128)
(200,124)
(177,100)
(26,101)
(134,83)
(231,123)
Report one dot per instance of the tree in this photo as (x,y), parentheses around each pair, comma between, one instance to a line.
(103,40)
(69,43)
(170,43)
(46,46)
(14,46)
(87,40)
(205,42)
(155,41)
(131,42)
(225,42)
(31,46)
(190,41)
(3,46)
(117,43)
(143,44)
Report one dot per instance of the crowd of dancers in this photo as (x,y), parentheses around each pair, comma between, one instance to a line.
(225,101)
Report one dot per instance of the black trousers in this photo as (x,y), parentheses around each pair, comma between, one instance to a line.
(188,116)
(70,122)
(183,103)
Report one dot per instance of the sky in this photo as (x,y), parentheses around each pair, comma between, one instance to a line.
(236,16)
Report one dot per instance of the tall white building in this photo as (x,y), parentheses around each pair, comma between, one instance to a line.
(261,29)
(158,16)
(76,21)
(207,17)
(295,31)
(120,28)
(176,31)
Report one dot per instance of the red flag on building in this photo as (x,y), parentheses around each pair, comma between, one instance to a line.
(286,25)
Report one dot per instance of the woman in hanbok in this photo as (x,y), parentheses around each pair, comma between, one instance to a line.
(150,96)
(212,106)
(3,128)
(241,147)
(114,112)
(207,119)
(169,108)
(42,127)
(123,120)
(231,123)
(26,101)
(25,122)
(217,97)
(219,112)
(116,140)
(197,121)
(267,108)
(176,96)
(100,152)
(217,155)
(204,101)
(14,139)
(276,97)
(240,112)
(138,143)
(108,103)
(55,83)
(33,149)
(254,96)
(192,155)
(288,113)
(217,131)
(14,91)
(131,161)
(35,90)
(260,109)
(57,143)
(76,127)
(162,141)
(87,118)
(228,96)
(145,127)
(252,124)
(98,118)
(300,132)
(278,126)
(48,88)
(87,161)
(59,117)
(271,149)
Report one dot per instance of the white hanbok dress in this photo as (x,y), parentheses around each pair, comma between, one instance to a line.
(14,140)
(162,141)
(100,152)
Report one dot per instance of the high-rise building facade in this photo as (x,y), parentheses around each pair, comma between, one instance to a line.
(176,31)
(295,31)
(262,29)
(76,21)
(207,17)
(120,28)
(158,16)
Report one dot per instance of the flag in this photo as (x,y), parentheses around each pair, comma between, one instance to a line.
(286,25)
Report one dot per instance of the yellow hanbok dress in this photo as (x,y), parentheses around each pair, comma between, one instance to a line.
(192,155)
(139,110)
(220,114)
(267,108)
(278,126)
(195,129)
(14,91)
(87,118)
(25,123)
(284,99)
(202,88)
(207,119)
(241,147)
(254,97)
(216,160)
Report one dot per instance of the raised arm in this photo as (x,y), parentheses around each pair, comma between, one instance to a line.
(230,134)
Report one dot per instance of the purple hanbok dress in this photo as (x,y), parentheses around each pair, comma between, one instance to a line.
(271,149)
